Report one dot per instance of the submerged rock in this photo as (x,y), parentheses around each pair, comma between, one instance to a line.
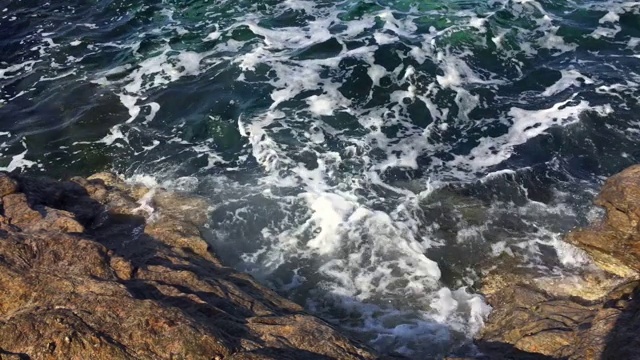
(99,269)
(592,315)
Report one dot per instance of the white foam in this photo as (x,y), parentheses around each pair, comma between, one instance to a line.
(18,161)
(610,17)
(60,76)
(129,102)
(450,305)
(499,248)
(570,78)
(114,135)
(605,32)
(25,66)
(213,36)
(526,124)
(146,204)
(376,72)
(569,255)
(149,181)
(383,39)
(320,105)
(307,6)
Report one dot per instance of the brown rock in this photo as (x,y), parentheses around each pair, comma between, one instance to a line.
(614,244)
(62,220)
(107,179)
(591,315)
(533,321)
(190,209)
(18,210)
(620,196)
(123,286)
(8,185)
(111,180)
(178,234)
(606,249)
(21,214)
(122,268)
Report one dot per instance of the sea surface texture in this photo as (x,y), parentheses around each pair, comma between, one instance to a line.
(367,159)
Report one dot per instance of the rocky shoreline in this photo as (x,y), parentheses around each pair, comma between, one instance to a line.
(98,268)
(592,315)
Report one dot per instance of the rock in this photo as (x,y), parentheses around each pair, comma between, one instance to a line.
(533,321)
(179,234)
(87,272)
(614,244)
(191,209)
(18,210)
(590,285)
(547,320)
(8,356)
(8,185)
(594,314)
(21,214)
(107,179)
(620,196)
(136,191)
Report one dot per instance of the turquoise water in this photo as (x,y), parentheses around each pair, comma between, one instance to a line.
(367,159)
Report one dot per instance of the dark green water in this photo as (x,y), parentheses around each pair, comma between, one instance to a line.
(364,158)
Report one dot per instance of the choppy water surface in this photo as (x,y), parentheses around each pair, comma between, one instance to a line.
(364,158)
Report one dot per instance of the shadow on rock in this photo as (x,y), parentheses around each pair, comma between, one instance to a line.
(622,342)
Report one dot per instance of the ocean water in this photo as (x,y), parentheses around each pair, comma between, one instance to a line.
(366,159)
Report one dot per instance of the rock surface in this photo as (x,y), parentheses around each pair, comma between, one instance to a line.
(614,244)
(98,269)
(549,323)
(592,315)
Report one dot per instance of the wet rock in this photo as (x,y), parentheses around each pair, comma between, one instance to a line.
(620,196)
(135,191)
(8,185)
(614,244)
(191,209)
(97,269)
(590,285)
(601,246)
(525,317)
(107,179)
(594,314)
(548,316)
(179,234)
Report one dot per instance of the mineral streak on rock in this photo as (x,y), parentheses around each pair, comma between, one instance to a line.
(99,269)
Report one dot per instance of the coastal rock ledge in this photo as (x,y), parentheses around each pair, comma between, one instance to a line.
(593,314)
(98,269)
